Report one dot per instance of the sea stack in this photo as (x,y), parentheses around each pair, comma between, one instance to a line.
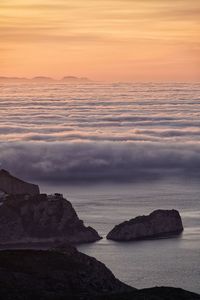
(160,223)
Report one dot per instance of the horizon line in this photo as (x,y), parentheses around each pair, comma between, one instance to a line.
(86,79)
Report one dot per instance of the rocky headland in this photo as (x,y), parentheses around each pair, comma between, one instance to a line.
(160,223)
(42,219)
(65,273)
(28,217)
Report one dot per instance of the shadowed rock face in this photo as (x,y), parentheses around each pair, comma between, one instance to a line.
(65,273)
(156,293)
(12,185)
(47,274)
(41,219)
(159,223)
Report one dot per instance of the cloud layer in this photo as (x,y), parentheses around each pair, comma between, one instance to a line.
(100,131)
(99,112)
(95,161)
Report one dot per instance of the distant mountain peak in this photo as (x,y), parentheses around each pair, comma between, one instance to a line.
(76,79)
(5,78)
(45,79)
(42,78)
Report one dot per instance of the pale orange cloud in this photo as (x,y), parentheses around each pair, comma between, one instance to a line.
(112,39)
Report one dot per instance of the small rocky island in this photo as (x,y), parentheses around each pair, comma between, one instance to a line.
(160,223)
(28,217)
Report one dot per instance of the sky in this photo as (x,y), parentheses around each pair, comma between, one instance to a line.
(112,40)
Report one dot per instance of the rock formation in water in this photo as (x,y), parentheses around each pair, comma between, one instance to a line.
(159,223)
(12,185)
(41,219)
(65,273)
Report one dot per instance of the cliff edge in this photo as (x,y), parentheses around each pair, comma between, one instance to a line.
(13,185)
(42,219)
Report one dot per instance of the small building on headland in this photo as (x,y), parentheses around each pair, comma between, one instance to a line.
(10,185)
(54,196)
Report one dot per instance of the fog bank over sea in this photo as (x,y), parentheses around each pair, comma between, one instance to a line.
(97,131)
(104,146)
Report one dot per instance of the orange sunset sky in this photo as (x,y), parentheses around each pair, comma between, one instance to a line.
(139,40)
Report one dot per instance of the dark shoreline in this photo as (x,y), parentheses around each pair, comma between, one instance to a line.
(65,273)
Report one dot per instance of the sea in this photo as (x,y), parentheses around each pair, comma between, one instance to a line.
(116,151)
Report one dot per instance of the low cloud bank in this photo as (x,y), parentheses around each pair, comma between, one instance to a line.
(96,161)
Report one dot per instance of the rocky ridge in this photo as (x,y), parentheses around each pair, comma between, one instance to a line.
(54,274)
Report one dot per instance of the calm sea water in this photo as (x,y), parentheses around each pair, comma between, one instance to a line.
(115,151)
(169,262)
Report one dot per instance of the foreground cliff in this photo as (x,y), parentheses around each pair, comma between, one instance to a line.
(13,185)
(68,274)
(42,219)
(158,224)
(156,293)
(55,274)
